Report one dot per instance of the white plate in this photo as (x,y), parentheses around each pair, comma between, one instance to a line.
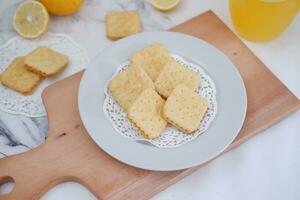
(231,98)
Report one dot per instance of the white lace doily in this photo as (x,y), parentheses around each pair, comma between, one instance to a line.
(32,105)
(171,136)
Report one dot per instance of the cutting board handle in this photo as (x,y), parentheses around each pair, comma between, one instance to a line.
(32,172)
(66,155)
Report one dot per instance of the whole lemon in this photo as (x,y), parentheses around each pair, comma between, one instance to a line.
(62,7)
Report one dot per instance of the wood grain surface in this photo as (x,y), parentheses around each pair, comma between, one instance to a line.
(70,154)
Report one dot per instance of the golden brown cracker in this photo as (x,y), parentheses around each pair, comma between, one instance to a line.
(122,24)
(145,113)
(152,59)
(18,78)
(174,74)
(185,109)
(128,85)
(46,61)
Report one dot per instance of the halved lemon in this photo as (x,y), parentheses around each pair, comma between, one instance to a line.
(165,5)
(31,19)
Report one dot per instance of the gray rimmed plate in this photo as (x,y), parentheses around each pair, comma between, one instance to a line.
(231,98)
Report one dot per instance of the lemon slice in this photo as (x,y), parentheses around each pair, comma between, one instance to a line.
(31,19)
(164,5)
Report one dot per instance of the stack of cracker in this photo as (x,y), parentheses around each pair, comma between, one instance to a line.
(24,74)
(155,90)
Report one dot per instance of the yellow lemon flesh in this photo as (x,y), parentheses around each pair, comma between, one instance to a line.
(31,19)
(164,5)
(62,7)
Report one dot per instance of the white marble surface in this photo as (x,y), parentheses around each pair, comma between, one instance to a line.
(266,167)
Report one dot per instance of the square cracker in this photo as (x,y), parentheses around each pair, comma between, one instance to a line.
(185,109)
(128,85)
(45,61)
(174,74)
(145,113)
(18,78)
(152,59)
(122,24)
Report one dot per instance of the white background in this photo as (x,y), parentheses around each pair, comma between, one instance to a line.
(265,167)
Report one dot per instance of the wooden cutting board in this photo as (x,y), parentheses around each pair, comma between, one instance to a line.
(70,154)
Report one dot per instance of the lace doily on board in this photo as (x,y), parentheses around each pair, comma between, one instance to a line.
(32,105)
(171,137)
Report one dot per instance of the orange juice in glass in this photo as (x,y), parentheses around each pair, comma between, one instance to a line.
(262,20)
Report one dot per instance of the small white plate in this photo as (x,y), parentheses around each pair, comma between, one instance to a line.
(231,98)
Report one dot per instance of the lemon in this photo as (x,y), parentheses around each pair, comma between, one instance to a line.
(31,19)
(62,7)
(164,5)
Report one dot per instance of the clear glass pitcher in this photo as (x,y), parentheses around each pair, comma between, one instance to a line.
(262,20)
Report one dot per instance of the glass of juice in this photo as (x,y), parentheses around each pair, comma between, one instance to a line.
(262,20)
